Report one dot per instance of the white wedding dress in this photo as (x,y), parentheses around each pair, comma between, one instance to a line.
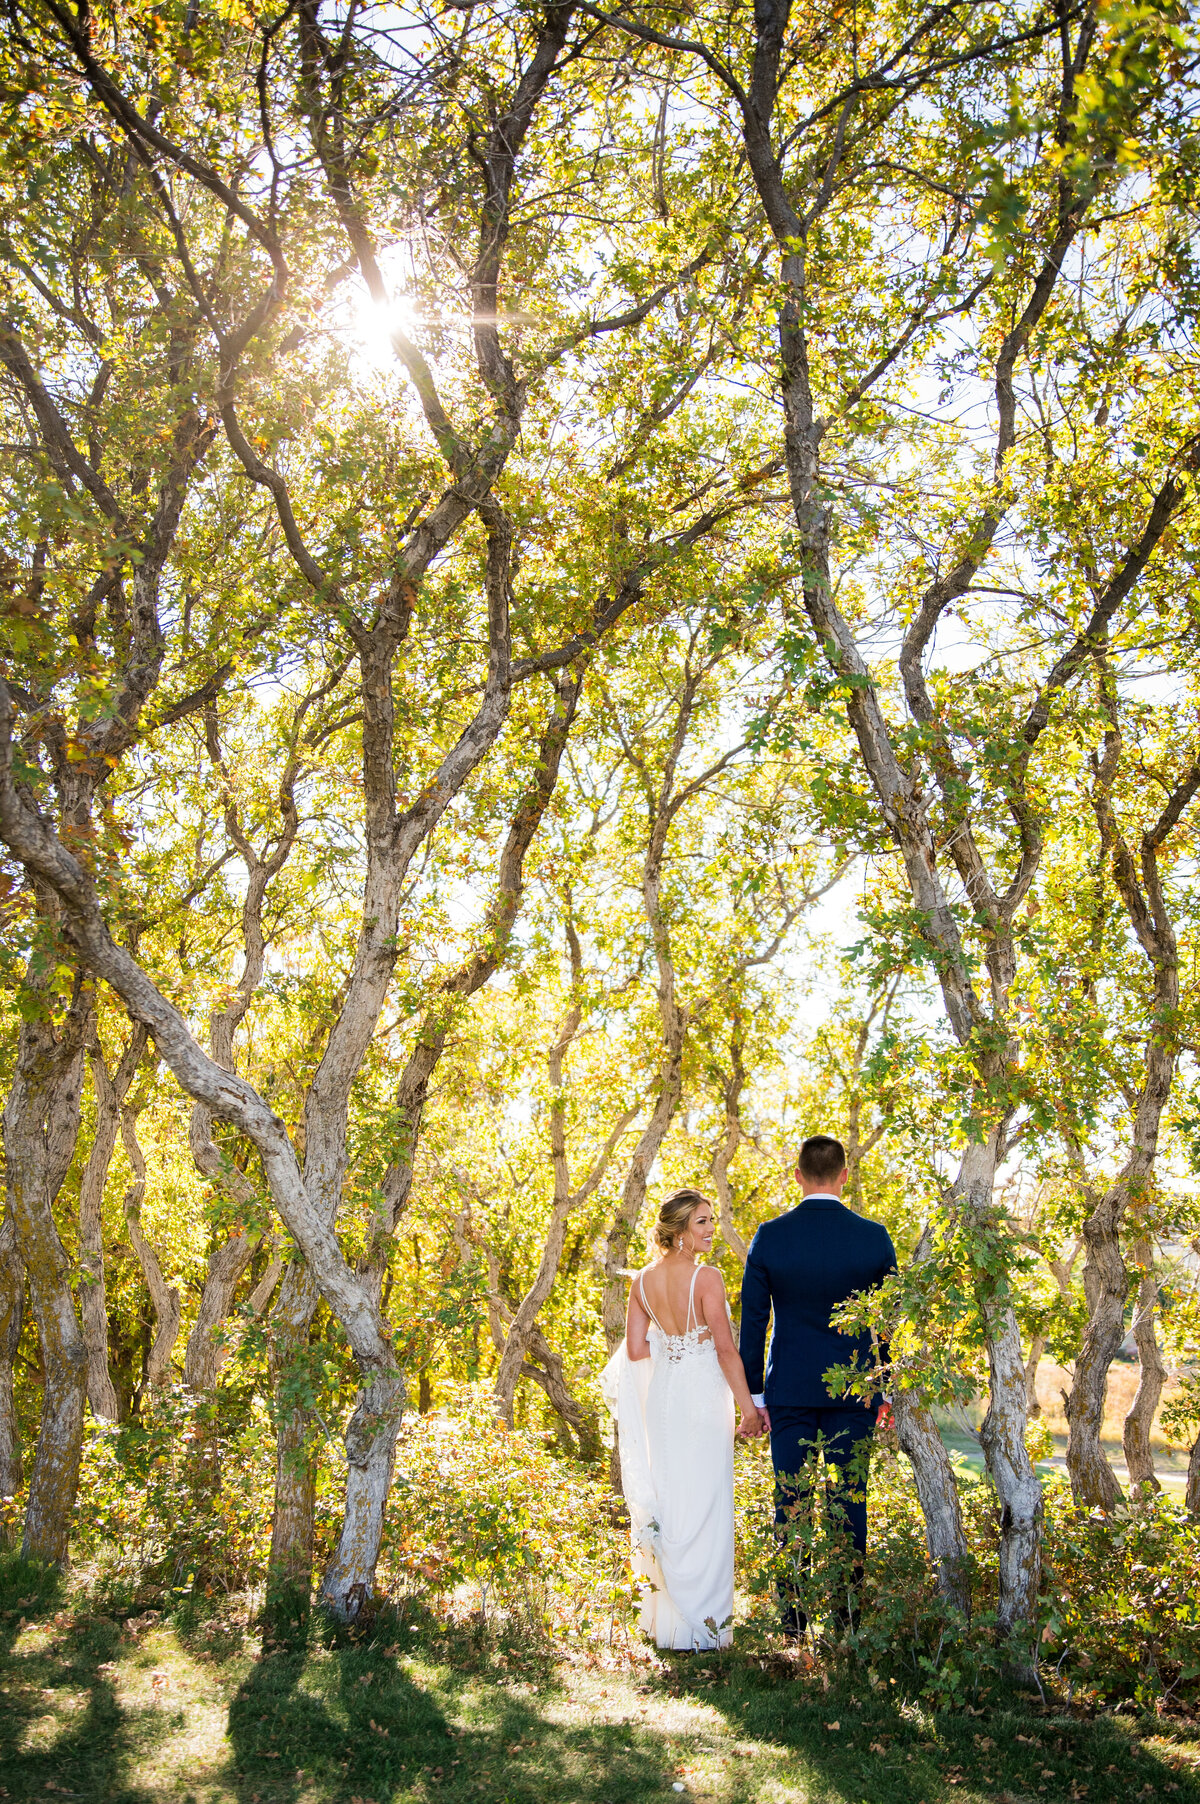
(675,1420)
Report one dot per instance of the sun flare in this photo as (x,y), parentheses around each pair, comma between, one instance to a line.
(372,325)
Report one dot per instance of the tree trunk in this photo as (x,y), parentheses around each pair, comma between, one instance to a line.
(163,1297)
(12,1311)
(205,1353)
(1012,1471)
(937,1491)
(1191,1495)
(1140,1419)
(548,1373)
(41,1125)
(110,1093)
(1105,1278)
(289,1564)
(566,1199)
(1037,1349)
(722,1159)
(512,1360)
(1018,1488)
(1105,1286)
(349,1579)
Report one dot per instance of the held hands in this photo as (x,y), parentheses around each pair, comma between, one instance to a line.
(750,1427)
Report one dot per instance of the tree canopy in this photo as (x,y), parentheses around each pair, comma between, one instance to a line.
(587,592)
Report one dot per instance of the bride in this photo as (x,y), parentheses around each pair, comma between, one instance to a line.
(672,1386)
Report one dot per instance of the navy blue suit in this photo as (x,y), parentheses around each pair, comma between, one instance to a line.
(801,1267)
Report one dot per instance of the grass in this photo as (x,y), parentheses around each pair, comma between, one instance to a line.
(128,1708)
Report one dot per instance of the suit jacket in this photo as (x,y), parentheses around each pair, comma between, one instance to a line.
(802,1266)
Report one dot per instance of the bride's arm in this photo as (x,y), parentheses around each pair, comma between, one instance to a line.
(710,1293)
(637,1327)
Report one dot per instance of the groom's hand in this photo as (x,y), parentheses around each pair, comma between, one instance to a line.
(764,1418)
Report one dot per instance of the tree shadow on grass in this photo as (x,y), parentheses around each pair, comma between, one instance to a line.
(860,1744)
(386,1725)
(84,1748)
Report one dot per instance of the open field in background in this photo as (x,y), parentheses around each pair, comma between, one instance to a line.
(136,1708)
(1053,1380)
(959,1428)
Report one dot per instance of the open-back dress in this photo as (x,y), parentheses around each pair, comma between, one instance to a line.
(675,1419)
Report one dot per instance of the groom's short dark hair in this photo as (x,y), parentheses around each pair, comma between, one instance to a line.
(821,1158)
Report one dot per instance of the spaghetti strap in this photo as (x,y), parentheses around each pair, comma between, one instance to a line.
(646,1306)
(691,1322)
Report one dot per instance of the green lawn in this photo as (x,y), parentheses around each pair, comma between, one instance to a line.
(139,1707)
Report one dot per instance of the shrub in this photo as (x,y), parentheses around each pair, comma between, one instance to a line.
(173,1499)
(490,1520)
(1118,1614)
(1121,1613)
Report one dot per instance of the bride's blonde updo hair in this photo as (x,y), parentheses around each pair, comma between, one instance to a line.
(674,1217)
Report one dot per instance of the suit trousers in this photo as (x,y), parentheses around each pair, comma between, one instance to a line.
(843,1436)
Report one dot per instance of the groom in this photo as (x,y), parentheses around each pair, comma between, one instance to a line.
(803,1266)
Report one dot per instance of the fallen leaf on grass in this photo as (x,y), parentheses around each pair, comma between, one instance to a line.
(879,1747)
(833,1725)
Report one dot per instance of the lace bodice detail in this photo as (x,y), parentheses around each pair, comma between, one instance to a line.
(674,1348)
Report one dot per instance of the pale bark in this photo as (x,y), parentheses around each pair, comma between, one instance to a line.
(566,1199)
(858,1144)
(732,1085)
(543,1366)
(370,1437)
(663,802)
(937,1488)
(42,1113)
(12,1315)
(380,1413)
(1105,1277)
(477,970)
(938,1495)
(110,1094)
(1037,1350)
(795,191)
(223,1092)
(205,1348)
(164,1298)
(264,1290)
(41,1123)
(1138,1423)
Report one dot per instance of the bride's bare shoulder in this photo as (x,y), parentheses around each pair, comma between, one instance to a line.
(709,1281)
